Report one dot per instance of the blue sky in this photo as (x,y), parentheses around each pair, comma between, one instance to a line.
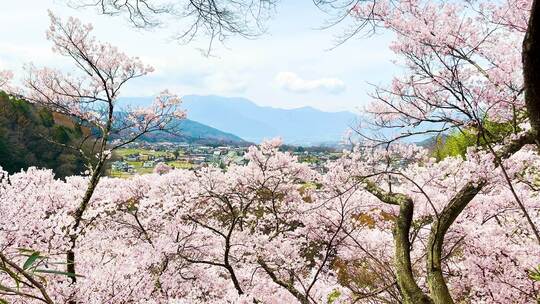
(288,67)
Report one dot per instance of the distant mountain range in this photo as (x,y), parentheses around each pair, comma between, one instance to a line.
(254,123)
(194,132)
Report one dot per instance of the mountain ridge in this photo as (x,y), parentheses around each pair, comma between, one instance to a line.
(194,132)
(244,118)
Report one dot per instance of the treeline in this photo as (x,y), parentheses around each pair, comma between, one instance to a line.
(31,136)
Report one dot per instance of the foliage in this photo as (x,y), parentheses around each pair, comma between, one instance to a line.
(25,134)
(184,235)
(457,143)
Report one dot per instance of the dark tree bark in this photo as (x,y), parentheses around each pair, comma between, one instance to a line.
(412,293)
(402,243)
(438,289)
(437,285)
(531,69)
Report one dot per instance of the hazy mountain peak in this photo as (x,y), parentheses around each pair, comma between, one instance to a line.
(246,119)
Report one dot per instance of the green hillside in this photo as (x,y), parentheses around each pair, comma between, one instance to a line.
(195,130)
(23,129)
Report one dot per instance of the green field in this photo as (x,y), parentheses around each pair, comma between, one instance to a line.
(138,165)
(180,164)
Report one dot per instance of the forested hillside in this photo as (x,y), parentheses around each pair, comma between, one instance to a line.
(24,130)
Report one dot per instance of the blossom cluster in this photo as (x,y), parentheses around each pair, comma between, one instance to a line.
(462,58)
(275,231)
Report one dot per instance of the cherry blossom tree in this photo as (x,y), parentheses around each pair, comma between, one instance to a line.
(89,97)
(258,232)
(275,230)
(429,227)
(385,223)
(457,79)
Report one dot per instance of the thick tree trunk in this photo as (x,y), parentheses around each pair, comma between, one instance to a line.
(437,285)
(531,69)
(405,278)
(412,293)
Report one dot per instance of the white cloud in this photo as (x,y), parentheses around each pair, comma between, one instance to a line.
(241,67)
(294,83)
